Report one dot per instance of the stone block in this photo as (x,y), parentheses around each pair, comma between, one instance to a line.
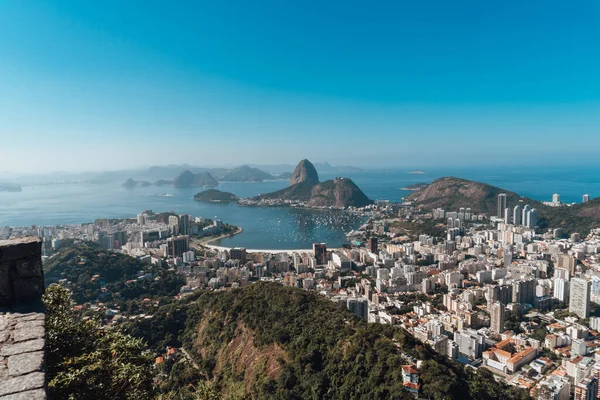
(34,323)
(21,364)
(25,289)
(22,347)
(28,267)
(37,394)
(15,249)
(35,380)
(32,316)
(35,332)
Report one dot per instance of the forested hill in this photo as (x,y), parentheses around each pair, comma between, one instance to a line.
(451,193)
(272,342)
(94,274)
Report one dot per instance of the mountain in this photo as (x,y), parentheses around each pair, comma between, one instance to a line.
(284,175)
(189,179)
(305,172)
(131,183)
(451,193)
(245,174)
(339,192)
(305,187)
(216,196)
(267,341)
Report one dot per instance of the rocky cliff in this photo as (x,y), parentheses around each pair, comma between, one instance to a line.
(305,172)
(340,192)
(305,187)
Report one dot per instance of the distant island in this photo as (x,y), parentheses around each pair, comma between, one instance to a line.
(131,183)
(185,179)
(416,186)
(216,196)
(417,172)
(5,187)
(245,173)
(189,179)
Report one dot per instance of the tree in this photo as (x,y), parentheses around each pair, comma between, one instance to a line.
(86,360)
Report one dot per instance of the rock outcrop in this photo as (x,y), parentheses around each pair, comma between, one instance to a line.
(305,187)
(340,192)
(305,172)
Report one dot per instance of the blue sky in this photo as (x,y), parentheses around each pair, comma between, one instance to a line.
(112,84)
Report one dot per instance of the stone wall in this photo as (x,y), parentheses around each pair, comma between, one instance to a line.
(22,334)
(21,274)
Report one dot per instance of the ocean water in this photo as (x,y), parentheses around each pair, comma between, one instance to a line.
(273,228)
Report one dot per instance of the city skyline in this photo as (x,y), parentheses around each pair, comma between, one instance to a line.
(100,87)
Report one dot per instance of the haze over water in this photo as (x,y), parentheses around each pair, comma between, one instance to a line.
(271,228)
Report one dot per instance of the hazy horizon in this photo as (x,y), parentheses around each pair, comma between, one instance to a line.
(108,86)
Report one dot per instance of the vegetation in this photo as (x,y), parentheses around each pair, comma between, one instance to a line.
(303,347)
(216,196)
(97,274)
(452,193)
(86,361)
(414,228)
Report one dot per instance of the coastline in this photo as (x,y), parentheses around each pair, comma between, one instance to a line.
(208,244)
(207,241)
(223,248)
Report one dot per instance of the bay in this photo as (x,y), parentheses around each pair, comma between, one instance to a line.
(274,228)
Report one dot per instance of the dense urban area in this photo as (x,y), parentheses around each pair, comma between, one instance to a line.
(487,291)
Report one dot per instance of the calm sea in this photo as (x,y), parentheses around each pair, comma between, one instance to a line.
(272,228)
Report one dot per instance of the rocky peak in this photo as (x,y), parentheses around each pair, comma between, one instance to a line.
(305,172)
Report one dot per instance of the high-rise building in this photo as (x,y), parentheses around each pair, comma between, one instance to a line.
(502,294)
(524,214)
(566,262)
(174,224)
(532,218)
(580,292)
(501,205)
(507,215)
(373,245)
(524,291)
(120,237)
(320,253)
(184,224)
(561,289)
(177,245)
(359,307)
(517,215)
(141,219)
(586,198)
(556,199)
(497,313)
(238,253)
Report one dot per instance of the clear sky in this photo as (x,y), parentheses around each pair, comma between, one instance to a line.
(109,84)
